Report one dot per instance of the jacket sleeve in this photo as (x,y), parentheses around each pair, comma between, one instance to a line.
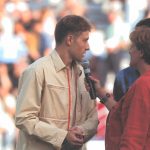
(28,109)
(90,125)
(137,121)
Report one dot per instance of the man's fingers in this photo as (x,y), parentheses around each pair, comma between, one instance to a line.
(77,141)
(75,137)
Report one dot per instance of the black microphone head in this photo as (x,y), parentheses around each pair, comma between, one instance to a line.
(87,72)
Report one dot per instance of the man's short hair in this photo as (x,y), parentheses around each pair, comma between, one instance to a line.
(72,24)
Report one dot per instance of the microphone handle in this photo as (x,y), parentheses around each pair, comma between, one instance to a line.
(92,90)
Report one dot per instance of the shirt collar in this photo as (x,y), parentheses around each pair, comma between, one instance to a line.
(59,64)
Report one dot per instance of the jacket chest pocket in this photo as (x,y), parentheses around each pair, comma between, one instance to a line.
(55,101)
(60,93)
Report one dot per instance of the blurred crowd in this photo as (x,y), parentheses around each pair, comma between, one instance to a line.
(27,33)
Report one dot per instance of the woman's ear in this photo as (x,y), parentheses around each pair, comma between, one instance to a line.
(141,54)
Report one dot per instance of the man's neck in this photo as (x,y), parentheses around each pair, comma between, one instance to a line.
(63,53)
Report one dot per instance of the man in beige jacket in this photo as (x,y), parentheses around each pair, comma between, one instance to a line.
(54,110)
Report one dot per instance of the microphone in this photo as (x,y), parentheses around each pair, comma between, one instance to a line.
(87,72)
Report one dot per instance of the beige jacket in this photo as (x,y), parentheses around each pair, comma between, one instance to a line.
(43,105)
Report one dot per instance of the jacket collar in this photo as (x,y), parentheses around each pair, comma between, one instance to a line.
(57,61)
(59,64)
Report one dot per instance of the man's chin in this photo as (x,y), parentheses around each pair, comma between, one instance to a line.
(79,60)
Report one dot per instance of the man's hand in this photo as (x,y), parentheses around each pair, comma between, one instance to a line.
(75,136)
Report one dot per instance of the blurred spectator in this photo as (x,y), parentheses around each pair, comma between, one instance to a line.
(72,7)
(99,55)
(17,69)
(43,39)
(134,11)
(8,103)
(48,19)
(30,39)
(15,8)
(38,4)
(6,22)
(116,40)
(26,19)
(12,47)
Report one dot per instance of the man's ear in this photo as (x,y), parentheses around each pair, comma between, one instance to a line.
(69,39)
